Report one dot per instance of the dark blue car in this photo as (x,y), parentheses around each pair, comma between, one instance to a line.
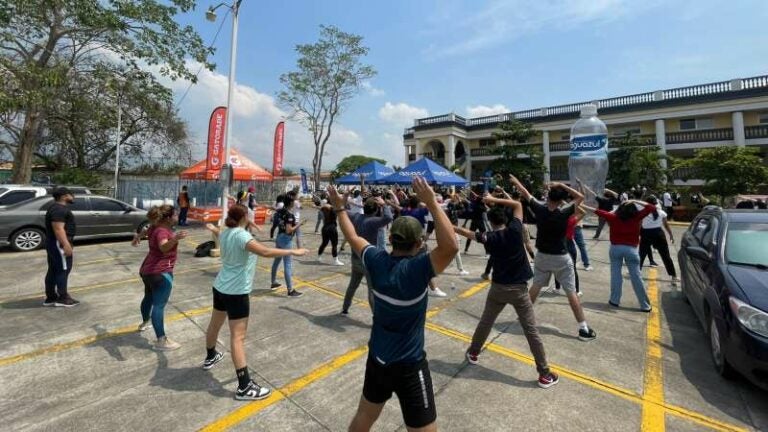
(724,264)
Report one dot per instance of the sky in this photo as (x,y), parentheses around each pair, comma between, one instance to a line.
(473,58)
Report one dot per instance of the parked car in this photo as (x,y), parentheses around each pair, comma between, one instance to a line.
(11,193)
(724,267)
(22,226)
(15,193)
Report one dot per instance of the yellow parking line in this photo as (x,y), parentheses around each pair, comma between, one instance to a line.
(474,289)
(596,383)
(253,408)
(103,285)
(653,380)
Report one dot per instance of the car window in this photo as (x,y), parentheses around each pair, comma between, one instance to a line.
(14,197)
(100,204)
(747,243)
(3,190)
(80,204)
(710,235)
(700,227)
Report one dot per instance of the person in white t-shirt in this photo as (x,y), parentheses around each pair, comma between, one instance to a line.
(653,236)
(296,210)
(666,200)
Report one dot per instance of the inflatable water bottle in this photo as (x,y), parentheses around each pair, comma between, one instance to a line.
(588,160)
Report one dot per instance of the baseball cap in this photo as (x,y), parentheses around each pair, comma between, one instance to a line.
(60,192)
(406,229)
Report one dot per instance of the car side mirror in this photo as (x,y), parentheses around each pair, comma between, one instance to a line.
(698,253)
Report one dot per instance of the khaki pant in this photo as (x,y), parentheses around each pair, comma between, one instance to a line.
(499,296)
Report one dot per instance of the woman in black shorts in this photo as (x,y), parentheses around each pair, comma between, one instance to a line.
(231,291)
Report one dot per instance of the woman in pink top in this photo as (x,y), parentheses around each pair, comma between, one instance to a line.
(157,272)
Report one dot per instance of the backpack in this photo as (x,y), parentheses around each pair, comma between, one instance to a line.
(204,249)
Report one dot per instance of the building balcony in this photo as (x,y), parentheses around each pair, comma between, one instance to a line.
(752,132)
(724,134)
(482,151)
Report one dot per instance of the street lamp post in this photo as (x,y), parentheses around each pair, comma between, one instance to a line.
(225,168)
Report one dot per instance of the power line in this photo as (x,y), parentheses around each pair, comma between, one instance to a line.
(191,83)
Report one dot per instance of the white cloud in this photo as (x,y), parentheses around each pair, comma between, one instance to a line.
(483,110)
(373,91)
(504,20)
(255,117)
(401,114)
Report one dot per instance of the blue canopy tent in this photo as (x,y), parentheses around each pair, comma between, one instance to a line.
(371,172)
(432,172)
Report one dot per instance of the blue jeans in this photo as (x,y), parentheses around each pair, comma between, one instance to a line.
(284,241)
(381,238)
(157,291)
(627,254)
(579,239)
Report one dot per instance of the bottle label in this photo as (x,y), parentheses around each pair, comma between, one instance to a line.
(589,145)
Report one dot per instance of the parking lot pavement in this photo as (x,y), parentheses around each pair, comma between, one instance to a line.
(87,368)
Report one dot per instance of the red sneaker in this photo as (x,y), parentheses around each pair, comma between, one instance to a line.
(548,379)
(472,358)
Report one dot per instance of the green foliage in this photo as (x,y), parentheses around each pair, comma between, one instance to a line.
(351,163)
(727,170)
(57,57)
(635,162)
(77,177)
(329,74)
(524,161)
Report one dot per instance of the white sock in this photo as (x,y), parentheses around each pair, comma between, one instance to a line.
(583,326)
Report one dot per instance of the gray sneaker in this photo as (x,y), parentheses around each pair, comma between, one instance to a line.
(165,344)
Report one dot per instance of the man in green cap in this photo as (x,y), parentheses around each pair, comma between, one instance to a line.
(397,362)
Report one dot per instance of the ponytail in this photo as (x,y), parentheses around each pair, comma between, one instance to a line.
(235,215)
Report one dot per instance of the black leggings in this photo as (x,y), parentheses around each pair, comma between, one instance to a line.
(330,234)
(655,238)
(477,225)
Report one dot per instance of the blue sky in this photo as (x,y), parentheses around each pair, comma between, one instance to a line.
(470,57)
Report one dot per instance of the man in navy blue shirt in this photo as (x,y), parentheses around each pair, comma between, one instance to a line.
(397,362)
(504,243)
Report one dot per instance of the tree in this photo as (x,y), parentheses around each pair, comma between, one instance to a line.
(329,74)
(727,170)
(351,163)
(635,162)
(46,45)
(524,161)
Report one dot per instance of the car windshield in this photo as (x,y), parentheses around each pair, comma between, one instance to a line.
(747,243)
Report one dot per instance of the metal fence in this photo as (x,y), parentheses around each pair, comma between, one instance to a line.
(144,193)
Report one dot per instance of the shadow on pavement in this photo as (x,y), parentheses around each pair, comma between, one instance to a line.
(335,322)
(29,303)
(113,345)
(513,327)
(188,379)
(476,372)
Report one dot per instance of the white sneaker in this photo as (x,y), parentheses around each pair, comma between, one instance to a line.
(145,326)
(336,262)
(437,292)
(320,259)
(463,273)
(579,293)
(588,268)
(165,344)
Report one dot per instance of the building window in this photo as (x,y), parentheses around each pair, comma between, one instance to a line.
(487,142)
(621,131)
(696,124)
(762,118)
(566,137)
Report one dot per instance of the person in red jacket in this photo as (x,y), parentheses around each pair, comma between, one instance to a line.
(625,223)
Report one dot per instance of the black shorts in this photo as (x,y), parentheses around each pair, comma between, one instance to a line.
(412,384)
(236,306)
(430,227)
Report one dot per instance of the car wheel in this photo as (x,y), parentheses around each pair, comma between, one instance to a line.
(27,239)
(722,366)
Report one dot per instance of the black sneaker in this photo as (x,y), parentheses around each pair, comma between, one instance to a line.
(252,392)
(294,293)
(587,335)
(66,302)
(49,302)
(209,363)
(345,313)
(275,285)
(653,264)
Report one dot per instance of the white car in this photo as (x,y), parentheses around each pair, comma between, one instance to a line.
(12,194)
